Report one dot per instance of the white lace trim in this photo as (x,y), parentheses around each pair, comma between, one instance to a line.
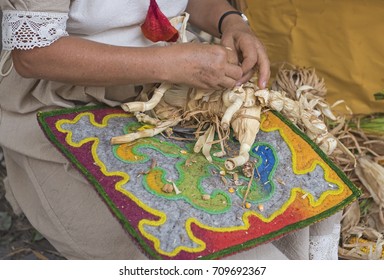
(325,247)
(27,30)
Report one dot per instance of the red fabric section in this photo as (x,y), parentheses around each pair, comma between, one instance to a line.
(157,27)
(217,241)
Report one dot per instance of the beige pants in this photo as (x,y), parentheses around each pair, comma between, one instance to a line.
(67,210)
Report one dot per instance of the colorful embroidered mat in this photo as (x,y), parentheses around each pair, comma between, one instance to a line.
(294,184)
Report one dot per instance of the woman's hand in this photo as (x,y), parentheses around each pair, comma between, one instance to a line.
(249,52)
(201,65)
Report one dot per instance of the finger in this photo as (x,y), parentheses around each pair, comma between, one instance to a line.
(231,50)
(233,71)
(249,61)
(246,77)
(249,53)
(264,69)
(227,83)
(232,56)
(257,60)
(263,66)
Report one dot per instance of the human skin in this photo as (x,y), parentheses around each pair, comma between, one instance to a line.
(249,52)
(83,62)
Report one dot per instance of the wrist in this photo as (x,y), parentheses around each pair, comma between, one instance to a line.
(230,19)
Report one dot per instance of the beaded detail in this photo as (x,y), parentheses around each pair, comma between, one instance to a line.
(26,30)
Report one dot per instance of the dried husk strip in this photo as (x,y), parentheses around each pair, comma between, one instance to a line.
(371,174)
(351,217)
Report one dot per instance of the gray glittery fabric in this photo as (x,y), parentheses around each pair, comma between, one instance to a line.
(172,233)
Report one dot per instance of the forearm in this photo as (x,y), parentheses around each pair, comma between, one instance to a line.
(82,62)
(205,14)
(79,61)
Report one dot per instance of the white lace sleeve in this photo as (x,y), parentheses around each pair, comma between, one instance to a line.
(27,30)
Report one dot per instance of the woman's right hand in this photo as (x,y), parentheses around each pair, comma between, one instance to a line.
(200,65)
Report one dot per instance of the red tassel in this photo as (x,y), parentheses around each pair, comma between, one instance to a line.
(157,27)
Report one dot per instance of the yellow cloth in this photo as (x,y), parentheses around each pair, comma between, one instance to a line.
(342,40)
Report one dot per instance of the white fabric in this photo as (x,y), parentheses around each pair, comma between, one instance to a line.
(98,20)
(325,247)
(26,30)
(104,22)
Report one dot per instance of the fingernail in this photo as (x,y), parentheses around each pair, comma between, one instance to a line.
(238,84)
(264,84)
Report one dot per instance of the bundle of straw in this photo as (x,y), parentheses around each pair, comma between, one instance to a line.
(363,222)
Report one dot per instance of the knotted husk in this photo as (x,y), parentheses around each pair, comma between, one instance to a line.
(304,86)
(245,125)
(239,108)
(236,107)
(302,113)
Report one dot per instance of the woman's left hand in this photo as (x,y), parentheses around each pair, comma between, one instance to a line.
(248,51)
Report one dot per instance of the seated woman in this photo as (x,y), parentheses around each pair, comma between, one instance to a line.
(65,53)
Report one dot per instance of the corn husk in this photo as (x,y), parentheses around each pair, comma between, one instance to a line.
(374,218)
(371,174)
(364,240)
(351,217)
(357,248)
(296,81)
